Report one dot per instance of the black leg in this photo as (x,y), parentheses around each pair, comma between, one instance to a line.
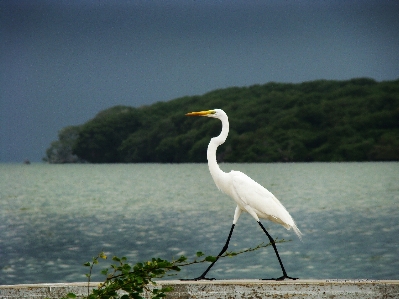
(220,253)
(278,256)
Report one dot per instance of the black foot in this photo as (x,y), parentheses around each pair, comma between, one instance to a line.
(281,278)
(198,278)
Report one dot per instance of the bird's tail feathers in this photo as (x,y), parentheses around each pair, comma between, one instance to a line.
(297,231)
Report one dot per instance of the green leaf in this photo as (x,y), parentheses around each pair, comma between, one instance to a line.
(181,259)
(104,271)
(199,254)
(138,266)
(87,264)
(71,295)
(163,264)
(210,258)
(126,267)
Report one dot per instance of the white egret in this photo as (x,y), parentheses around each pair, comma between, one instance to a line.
(249,196)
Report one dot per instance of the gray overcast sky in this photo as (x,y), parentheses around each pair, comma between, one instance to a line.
(61,62)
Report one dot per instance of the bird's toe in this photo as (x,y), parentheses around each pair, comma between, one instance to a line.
(197,278)
(281,278)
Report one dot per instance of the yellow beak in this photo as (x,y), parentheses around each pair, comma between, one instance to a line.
(201,113)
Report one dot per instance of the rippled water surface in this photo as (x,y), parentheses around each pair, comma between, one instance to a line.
(53,218)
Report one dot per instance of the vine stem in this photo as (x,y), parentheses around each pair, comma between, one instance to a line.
(232,253)
(226,254)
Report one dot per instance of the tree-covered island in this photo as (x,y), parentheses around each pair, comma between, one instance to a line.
(323,120)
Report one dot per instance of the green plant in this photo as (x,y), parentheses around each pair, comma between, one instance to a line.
(124,281)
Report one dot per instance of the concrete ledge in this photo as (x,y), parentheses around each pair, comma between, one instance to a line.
(228,289)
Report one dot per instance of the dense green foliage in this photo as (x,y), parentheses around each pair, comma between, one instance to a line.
(353,120)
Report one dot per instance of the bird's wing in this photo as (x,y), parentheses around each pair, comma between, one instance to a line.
(265,204)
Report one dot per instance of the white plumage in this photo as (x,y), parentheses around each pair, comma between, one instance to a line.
(249,196)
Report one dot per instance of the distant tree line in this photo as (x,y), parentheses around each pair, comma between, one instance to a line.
(323,120)
(60,151)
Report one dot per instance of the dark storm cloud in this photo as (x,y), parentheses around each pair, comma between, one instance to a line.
(63,61)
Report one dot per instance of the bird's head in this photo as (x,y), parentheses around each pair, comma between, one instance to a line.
(215,113)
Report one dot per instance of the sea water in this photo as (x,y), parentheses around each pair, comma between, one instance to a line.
(54,218)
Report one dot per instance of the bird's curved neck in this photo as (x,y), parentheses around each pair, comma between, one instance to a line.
(212,147)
